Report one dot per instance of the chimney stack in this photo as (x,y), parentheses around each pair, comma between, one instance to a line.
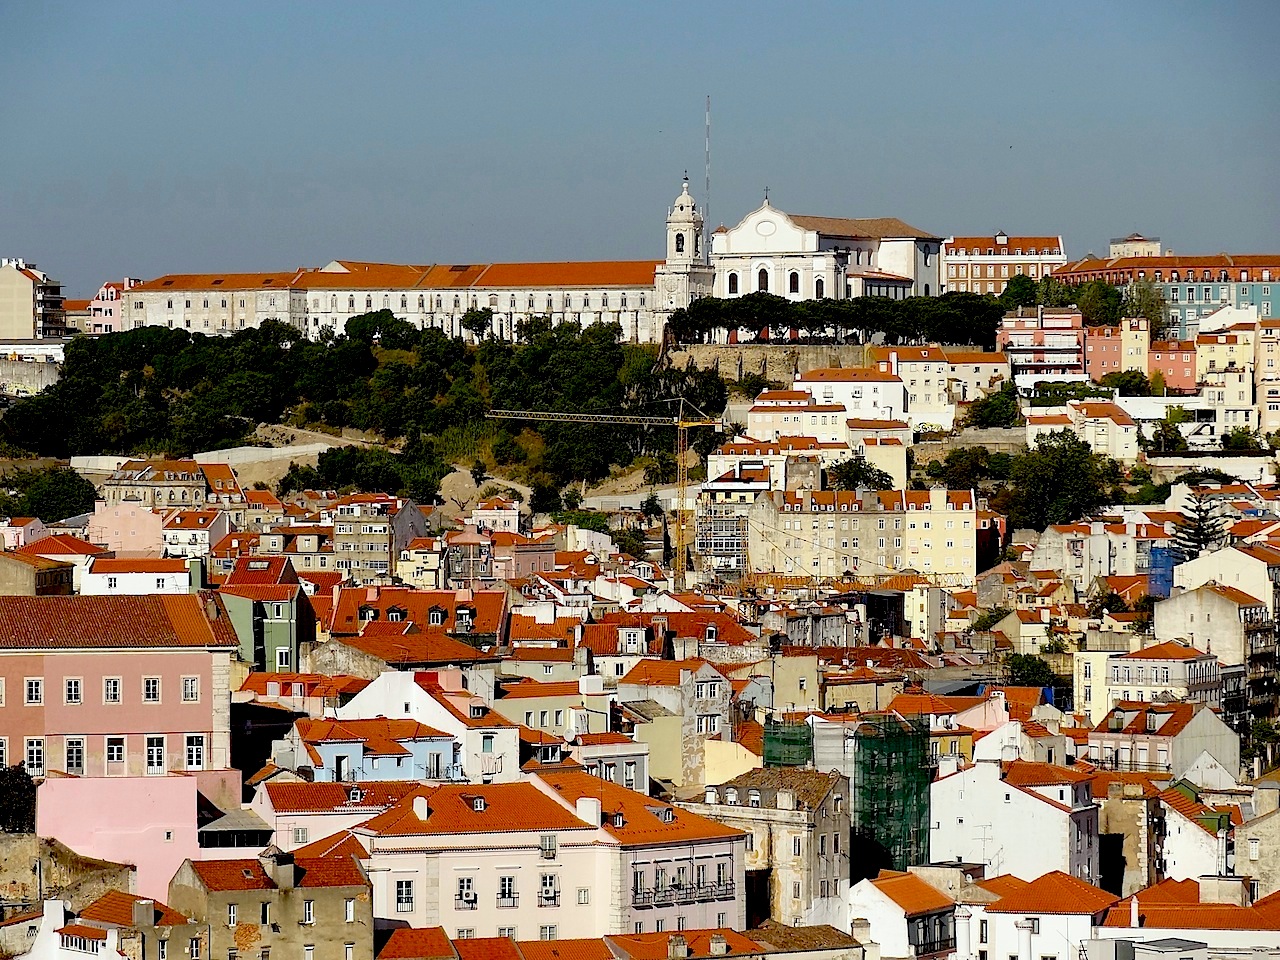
(677,947)
(719,946)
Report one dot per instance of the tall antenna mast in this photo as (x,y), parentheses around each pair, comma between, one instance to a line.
(706,193)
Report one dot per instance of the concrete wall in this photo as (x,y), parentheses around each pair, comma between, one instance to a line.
(774,362)
(996,440)
(21,377)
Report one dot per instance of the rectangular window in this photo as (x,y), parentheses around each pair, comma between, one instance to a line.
(35,691)
(111,690)
(348,951)
(155,755)
(404,896)
(35,756)
(795,846)
(190,689)
(71,692)
(232,911)
(547,846)
(349,910)
(584,895)
(150,689)
(193,948)
(75,755)
(547,932)
(308,911)
(162,951)
(115,749)
(195,752)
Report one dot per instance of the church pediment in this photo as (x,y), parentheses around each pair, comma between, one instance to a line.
(765,230)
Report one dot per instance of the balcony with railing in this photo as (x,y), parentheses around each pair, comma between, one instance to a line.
(508,902)
(669,896)
(465,901)
(549,898)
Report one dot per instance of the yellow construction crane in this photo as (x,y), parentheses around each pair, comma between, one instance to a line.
(681,422)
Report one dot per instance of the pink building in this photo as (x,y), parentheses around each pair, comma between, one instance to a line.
(17,532)
(115,686)
(127,528)
(1102,351)
(1043,340)
(1175,360)
(106,309)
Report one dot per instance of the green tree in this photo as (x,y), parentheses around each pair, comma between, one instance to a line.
(1130,383)
(1020,291)
(985,621)
(999,409)
(17,800)
(583,519)
(1099,303)
(1052,292)
(1059,481)
(1144,299)
(572,498)
(50,493)
(856,473)
(631,542)
(479,323)
(544,497)
(1027,670)
(1165,435)
(1242,440)
(1201,528)
(478,472)
(964,467)
(1145,608)
(1110,601)
(661,469)
(651,506)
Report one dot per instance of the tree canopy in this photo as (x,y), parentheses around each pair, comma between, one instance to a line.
(999,409)
(1059,481)
(857,472)
(50,493)
(953,318)
(1027,670)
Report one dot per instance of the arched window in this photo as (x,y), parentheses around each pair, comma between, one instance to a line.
(926,289)
(333,303)
(422,302)
(386,302)
(439,301)
(404,302)
(351,303)
(368,303)
(679,243)
(762,279)
(531,301)
(793,282)
(733,283)
(857,255)
(818,288)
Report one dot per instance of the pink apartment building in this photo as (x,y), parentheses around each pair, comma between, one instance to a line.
(127,528)
(1043,340)
(1175,360)
(115,686)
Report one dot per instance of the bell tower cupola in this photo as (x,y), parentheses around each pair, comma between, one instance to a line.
(684,229)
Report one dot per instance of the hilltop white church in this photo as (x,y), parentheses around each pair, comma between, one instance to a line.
(792,256)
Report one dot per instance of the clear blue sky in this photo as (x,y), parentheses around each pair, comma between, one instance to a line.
(152,137)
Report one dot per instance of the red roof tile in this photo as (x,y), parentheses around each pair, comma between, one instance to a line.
(431,943)
(913,895)
(451,809)
(1055,892)
(116,907)
(167,620)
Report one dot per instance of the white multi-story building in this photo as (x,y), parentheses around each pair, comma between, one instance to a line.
(811,258)
(638,295)
(864,394)
(1165,671)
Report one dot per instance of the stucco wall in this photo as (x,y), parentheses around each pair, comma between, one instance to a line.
(774,362)
(17,376)
(66,873)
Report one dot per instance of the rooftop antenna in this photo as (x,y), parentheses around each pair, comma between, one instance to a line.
(706,192)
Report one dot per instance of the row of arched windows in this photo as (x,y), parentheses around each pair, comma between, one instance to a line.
(793,283)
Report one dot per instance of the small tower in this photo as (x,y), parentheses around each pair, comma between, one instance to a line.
(684,229)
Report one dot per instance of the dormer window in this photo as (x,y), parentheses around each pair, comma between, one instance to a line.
(731,797)
(668,815)
(618,820)
(711,633)
(396,615)
(436,617)
(478,804)
(477,711)
(753,798)
(367,614)
(355,796)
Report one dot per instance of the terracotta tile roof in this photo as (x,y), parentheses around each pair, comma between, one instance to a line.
(607,273)
(158,620)
(490,607)
(221,281)
(1188,916)
(63,545)
(1145,782)
(221,875)
(518,806)
(599,739)
(912,894)
(406,943)
(526,689)
(82,930)
(1191,809)
(653,946)
(693,625)
(1169,891)
(426,647)
(1055,892)
(1169,650)
(1236,596)
(115,566)
(488,948)
(846,375)
(1164,719)
(1024,773)
(662,673)
(261,570)
(340,844)
(303,796)
(192,520)
(541,655)
(375,729)
(642,816)
(873,227)
(528,628)
(1003,885)
(116,907)
(1027,244)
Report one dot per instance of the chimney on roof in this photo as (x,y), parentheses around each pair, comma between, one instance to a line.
(1133,912)
(677,947)
(718,945)
(211,609)
(420,808)
(588,810)
(278,865)
(144,914)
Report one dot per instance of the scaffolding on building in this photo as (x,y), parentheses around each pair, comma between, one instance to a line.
(787,743)
(889,787)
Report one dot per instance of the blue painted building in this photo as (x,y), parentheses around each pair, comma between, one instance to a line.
(375,749)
